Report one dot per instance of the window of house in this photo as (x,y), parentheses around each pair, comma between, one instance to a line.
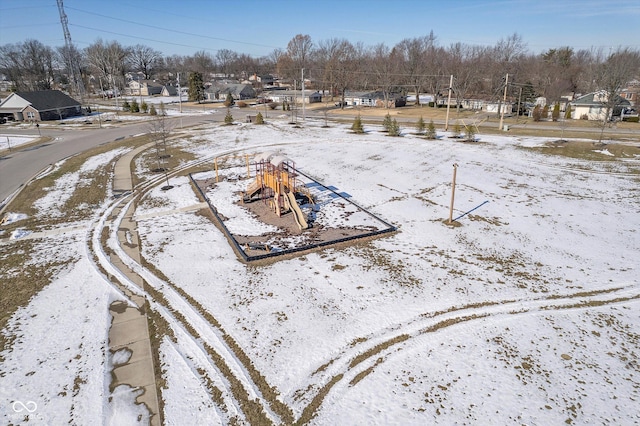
(31,115)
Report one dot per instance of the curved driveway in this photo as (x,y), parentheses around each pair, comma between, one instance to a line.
(20,165)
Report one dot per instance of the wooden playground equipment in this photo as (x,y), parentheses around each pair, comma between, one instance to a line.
(276,182)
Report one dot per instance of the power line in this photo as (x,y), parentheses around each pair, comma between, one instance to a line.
(171,30)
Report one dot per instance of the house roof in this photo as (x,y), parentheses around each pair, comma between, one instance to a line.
(231,88)
(589,100)
(47,100)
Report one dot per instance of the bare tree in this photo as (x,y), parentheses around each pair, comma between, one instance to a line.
(108,60)
(297,56)
(613,74)
(145,60)
(29,65)
(159,131)
(224,60)
(417,56)
(384,66)
(201,62)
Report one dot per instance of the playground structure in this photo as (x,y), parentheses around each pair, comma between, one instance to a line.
(276,183)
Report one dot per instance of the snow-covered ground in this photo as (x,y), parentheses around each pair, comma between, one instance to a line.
(13,141)
(525,313)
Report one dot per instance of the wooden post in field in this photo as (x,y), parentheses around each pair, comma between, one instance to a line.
(453,192)
(215,162)
(246,159)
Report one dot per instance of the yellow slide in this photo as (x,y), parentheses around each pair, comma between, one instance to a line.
(252,189)
(292,204)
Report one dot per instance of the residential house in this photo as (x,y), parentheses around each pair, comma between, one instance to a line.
(375,99)
(632,92)
(169,90)
(144,88)
(294,96)
(41,105)
(237,91)
(592,106)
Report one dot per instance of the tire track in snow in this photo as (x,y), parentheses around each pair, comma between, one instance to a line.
(359,359)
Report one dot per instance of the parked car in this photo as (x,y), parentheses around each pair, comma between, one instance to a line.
(3,120)
(341,103)
(264,100)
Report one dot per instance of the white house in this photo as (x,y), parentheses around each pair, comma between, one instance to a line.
(593,106)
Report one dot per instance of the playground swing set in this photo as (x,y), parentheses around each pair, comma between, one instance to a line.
(276,183)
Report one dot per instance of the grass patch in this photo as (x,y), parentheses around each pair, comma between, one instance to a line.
(18,284)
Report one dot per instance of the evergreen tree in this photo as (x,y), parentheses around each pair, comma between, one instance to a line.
(126,106)
(545,111)
(555,114)
(537,113)
(228,119)
(431,130)
(457,129)
(134,106)
(386,123)
(152,110)
(144,107)
(229,100)
(196,87)
(259,119)
(470,132)
(394,128)
(163,111)
(357,125)
(567,113)
(420,126)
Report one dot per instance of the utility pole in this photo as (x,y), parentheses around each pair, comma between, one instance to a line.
(179,94)
(504,101)
(453,192)
(446,121)
(303,110)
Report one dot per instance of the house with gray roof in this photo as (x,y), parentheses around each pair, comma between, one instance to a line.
(593,106)
(41,105)
(237,91)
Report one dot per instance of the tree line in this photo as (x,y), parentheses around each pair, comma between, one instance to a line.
(414,65)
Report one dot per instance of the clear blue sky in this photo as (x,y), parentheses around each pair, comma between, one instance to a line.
(256,27)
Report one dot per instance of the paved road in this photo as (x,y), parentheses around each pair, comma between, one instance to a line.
(19,166)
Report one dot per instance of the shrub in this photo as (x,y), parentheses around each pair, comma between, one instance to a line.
(229,100)
(259,119)
(567,113)
(537,113)
(555,114)
(242,104)
(386,123)
(228,119)
(126,106)
(545,111)
(144,107)
(163,111)
(420,126)
(431,130)
(632,119)
(357,125)
(152,110)
(470,132)
(273,105)
(134,106)
(584,117)
(457,129)
(394,128)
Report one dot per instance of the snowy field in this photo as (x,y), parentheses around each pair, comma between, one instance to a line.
(526,312)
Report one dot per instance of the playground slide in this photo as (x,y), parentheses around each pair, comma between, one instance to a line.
(252,189)
(290,199)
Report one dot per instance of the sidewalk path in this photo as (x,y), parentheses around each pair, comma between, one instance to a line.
(129,326)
